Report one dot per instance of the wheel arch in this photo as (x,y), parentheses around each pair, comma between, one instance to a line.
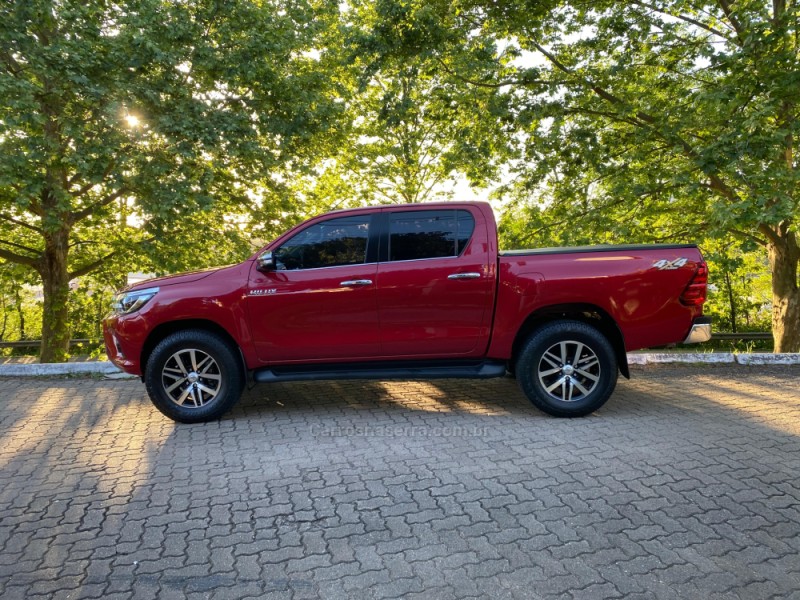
(586,313)
(165,329)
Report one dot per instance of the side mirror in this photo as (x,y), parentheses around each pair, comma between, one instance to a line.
(266,262)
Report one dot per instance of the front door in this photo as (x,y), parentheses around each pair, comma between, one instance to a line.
(319,305)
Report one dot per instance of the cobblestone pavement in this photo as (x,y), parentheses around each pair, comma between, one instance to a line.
(684,486)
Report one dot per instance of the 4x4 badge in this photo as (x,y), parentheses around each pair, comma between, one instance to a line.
(669,265)
(262,292)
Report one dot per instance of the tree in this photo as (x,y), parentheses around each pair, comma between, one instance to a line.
(404,141)
(674,113)
(413,127)
(683,108)
(136,128)
(18,307)
(741,288)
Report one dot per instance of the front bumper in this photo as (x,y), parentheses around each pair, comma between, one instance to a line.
(122,349)
(700,331)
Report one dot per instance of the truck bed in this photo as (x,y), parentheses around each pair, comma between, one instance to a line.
(598,248)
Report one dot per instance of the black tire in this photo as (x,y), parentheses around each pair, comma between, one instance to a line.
(547,373)
(199,392)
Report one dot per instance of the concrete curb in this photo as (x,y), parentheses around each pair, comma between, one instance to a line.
(650,358)
(758,358)
(656,358)
(717,358)
(99,367)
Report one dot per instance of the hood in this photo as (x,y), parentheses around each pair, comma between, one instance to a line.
(187,277)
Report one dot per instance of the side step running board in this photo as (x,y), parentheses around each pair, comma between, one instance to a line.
(383,370)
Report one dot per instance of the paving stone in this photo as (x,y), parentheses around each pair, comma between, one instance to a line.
(683,486)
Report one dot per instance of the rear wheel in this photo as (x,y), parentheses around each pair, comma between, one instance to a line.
(567,369)
(194,376)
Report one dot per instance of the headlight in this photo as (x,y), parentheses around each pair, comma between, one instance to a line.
(129,302)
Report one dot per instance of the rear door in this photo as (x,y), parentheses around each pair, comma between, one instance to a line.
(435,284)
(320,303)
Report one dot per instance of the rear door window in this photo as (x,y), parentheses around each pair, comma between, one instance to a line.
(415,235)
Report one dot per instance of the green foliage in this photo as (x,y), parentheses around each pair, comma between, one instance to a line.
(130,131)
(178,108)
(739,291)
(671,121)
(20,315)
(157,136)
(20,310)
(641,110)
(413,125)
(91,301)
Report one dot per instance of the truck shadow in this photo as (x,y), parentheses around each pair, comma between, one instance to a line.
(497,397)
(651,396)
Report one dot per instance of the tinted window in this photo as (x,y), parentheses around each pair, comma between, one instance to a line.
(429,233)
(327,244)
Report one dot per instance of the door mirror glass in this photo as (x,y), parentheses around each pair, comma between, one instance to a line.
(265,262)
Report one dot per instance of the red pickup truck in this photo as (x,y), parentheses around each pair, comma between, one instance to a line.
(416,292)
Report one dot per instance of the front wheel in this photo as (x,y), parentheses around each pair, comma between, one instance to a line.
(194,376)
(567,369)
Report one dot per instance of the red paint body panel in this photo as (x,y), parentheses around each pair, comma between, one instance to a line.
(424,314)
(643,301)
(217,297)
(412,309)
(311,315)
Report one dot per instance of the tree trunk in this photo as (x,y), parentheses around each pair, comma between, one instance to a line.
(784,256)
(55,280)
(5,319)
(20,313)
(731,300)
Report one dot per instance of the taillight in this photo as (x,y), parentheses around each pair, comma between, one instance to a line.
(695,292)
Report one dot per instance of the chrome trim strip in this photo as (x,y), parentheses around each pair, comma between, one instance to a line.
(355,282)
(151,290)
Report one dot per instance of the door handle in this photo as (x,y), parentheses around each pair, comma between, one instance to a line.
(464,276)
(355,282)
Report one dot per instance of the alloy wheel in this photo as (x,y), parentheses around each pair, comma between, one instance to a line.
(191,378)
(569,371)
